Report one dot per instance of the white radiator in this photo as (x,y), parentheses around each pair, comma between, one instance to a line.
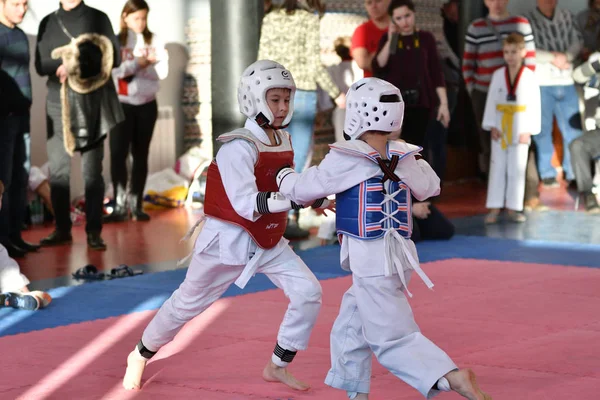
(162,148)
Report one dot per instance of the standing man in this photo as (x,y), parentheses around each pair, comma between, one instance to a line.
(483,55)
(77,50)
(559,43)
(366,36)
(15,102)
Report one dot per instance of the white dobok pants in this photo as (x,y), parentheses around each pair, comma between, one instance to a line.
(207,279)
(506,184)
(375,318)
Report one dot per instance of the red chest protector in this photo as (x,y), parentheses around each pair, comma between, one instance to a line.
(268,230)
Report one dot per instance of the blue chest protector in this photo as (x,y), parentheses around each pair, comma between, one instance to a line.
(365,211)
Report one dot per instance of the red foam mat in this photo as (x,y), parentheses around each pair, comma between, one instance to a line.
(529,331)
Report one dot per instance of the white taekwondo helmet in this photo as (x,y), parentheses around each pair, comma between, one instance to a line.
(372,104)
(256,80)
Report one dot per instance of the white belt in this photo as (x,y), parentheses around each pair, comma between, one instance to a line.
(250,268)
(392,260)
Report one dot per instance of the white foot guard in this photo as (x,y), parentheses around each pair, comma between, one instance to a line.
(443,385)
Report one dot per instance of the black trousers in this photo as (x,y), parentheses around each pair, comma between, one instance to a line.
(60,176)
(584,150)
(14,173)
(435,227)
(532,177)
(132,135)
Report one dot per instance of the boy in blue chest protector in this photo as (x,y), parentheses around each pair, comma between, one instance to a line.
(373,179)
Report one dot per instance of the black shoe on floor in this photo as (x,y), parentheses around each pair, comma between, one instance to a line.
(29,247)
(139,215)
(591,203)
(13,250)
(95,242)
(118,215)
(56,238)
(550,183)
(20,301)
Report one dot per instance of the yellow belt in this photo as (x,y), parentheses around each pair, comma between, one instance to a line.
(508,112)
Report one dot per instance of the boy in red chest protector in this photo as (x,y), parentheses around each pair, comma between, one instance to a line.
(243,233)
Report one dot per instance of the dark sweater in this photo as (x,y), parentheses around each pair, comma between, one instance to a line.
(82,19)
(15,79)
(412,68)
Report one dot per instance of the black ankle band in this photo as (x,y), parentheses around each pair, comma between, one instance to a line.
(285,355)
(144,352)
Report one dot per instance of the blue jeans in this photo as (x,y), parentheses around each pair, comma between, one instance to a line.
(561,102)
(14,173)
(302,125)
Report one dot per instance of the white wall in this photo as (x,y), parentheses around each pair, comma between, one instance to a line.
(523,6)
(167,18)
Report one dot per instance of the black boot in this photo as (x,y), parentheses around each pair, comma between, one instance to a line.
(591,203)
(57,238)
(121,212)
(95,242)
(136,207)
(28,247)
(293,230)
(14,251)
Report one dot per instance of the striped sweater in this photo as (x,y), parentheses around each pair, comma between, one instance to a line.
(483,51)
(561,34)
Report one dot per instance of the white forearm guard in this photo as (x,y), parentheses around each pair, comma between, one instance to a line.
(273,202)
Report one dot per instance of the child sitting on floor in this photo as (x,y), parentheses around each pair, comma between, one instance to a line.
(13,284)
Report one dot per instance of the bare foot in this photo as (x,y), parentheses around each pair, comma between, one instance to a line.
(464,383)
(135,368)
(362,396)
(273,373)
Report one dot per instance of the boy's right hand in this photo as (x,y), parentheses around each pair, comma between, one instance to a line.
(496,134)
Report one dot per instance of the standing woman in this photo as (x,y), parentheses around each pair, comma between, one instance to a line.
(408,59)
(291,36)
(145,63)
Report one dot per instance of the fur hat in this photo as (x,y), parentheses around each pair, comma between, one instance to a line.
(89,62)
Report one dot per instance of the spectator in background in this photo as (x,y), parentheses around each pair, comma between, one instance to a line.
(408,59)
(343,75)
(13,284)
(144,63)
(586,148)
(558,44)
(15,103)
(589,25)
(299,50)
(450,16)
(483,55)
(366,36)
(82,107)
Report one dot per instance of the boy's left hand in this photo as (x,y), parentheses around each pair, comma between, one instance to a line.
(525,138)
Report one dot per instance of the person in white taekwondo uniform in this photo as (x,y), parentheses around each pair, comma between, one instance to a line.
(512,113)
(243,233)
(373,179)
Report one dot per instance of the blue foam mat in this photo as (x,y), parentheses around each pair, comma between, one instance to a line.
(97,300)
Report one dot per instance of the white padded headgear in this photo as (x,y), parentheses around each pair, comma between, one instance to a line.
(373,104)
(256,80)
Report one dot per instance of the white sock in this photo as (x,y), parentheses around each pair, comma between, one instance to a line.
(352,395)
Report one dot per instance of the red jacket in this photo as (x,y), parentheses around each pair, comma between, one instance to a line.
(268,230)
